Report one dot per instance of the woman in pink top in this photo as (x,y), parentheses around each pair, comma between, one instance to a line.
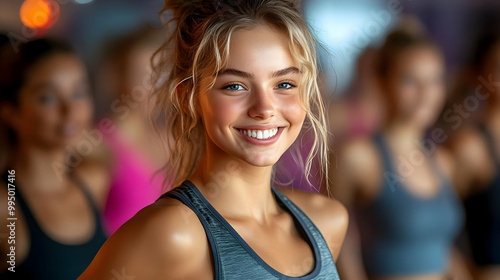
(135,147)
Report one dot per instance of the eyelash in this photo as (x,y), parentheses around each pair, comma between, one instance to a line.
(292,85)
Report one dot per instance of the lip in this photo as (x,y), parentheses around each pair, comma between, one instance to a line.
(259,127)
(260,142)
(69,129)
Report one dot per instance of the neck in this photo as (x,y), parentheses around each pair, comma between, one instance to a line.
(233,187)
(403,137)
(37,168)
(132,123)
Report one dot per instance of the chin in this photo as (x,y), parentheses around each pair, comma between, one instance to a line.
(424,122)
(260,161)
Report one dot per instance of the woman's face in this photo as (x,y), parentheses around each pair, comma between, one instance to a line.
(253,113)
(416,86)
(54,103)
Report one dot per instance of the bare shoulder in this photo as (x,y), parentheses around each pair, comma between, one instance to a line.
(328,214)
(359,155)
(162,241)
(469,148)
(474,167)
(356,172)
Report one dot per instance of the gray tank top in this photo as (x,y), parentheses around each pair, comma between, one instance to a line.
(232,256)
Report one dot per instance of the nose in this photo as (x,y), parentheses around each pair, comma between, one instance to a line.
(64,107)
(262,105)
(67,108)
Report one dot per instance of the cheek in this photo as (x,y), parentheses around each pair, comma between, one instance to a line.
(405,97)
(438,96)
(83,112)
(219,110)
(37,123)
(40,117)
(292,111)
(400,94)
(47,122)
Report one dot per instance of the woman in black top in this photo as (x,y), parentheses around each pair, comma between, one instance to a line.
(46,108)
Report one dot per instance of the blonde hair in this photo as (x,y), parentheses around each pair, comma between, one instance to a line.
(198,46)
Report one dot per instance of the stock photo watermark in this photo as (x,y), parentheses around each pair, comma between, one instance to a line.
(378,23)
(11,220)
(122,275)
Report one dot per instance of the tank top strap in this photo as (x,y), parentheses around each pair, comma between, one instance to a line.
(314,236)
(388,164)
(233,258)
(99,233)
(188,197)
(385,153)
(86,192)
(32,223)
(23,207)
(445,181)
(490,142)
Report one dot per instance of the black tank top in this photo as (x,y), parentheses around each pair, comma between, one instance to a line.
(483,214)
(48,259)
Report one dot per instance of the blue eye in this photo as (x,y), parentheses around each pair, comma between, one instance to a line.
(234,87)
(285,86)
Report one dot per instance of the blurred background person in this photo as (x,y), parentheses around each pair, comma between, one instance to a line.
(401,196)
(359,111)
(137,152)
(477,153)
(45,104)
(351,30)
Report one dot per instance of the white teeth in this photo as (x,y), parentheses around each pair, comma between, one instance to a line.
(261,134)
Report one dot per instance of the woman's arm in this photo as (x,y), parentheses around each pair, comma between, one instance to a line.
(163,241)
(354,172)
(458,268)
(471,161)
(350,263)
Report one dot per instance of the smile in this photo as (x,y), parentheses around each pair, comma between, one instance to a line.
(260,134)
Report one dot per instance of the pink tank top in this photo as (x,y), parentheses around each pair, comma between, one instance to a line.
(133,185)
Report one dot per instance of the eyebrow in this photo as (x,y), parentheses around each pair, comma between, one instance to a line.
(282,72)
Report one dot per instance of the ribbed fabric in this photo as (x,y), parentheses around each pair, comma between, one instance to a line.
(483,214)
(404,235)
(233,257)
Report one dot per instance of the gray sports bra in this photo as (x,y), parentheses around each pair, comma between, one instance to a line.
(233,257)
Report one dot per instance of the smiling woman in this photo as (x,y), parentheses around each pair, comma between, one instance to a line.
(240,90)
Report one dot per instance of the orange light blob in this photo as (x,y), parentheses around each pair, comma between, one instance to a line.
(39,14)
